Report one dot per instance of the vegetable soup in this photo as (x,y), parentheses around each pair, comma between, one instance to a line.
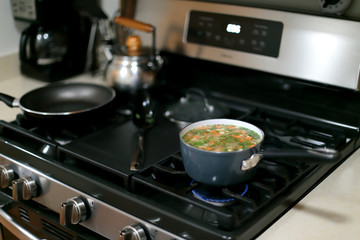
(221,138)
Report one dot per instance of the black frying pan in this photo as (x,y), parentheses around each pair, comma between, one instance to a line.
(62,101)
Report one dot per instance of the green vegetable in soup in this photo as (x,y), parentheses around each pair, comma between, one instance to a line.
(221,138)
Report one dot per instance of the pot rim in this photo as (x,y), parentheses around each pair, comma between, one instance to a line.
(222,121)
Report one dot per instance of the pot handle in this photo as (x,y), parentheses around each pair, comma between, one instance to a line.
(318,155)
(8,100)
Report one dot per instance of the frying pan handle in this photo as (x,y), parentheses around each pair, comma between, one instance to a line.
(8,100)
(318,155)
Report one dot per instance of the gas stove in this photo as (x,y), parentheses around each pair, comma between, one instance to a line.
(91,164)
(75,182)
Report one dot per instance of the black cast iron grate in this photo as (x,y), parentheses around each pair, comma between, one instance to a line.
(167,182)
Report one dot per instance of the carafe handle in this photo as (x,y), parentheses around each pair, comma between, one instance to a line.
(23,39)
(24,55)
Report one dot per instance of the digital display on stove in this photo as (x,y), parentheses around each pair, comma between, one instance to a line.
(233,28)
(238,33)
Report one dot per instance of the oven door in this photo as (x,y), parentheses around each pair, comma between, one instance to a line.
(11,228)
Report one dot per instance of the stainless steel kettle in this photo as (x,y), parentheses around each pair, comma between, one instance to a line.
(136,67)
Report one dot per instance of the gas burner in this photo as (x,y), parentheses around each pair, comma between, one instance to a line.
(216,195)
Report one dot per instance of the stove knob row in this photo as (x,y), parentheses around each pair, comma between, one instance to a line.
(133,232)
(24,188)
(74,211)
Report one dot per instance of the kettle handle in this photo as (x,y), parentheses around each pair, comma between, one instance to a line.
(131,23)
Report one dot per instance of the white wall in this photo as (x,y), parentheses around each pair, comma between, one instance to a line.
(9,36)
(10,29)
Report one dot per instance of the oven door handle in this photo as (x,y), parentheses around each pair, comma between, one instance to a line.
(7,221)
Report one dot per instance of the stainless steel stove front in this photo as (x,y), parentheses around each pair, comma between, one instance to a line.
(74,206)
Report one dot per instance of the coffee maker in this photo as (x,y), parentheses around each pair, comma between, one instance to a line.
(54,46)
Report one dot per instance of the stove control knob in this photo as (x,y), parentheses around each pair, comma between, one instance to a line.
(334,6)
(6,176)
(74,211)
(24,188)
(133,232)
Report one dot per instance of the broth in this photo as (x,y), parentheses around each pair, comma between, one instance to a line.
(221,138)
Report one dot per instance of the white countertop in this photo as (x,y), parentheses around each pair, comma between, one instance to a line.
(330,211)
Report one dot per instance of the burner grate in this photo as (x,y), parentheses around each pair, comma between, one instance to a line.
(168,184)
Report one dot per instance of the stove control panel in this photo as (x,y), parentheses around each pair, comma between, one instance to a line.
(234,32)
(73,205)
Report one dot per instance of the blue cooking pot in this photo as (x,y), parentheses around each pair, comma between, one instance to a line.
(231,168)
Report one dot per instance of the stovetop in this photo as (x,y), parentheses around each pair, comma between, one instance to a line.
(95,157)
(102,151)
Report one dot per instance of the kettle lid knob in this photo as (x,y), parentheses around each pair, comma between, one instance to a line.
(133,44)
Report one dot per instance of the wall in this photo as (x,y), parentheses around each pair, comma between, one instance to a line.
(11,29)
(9,33)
